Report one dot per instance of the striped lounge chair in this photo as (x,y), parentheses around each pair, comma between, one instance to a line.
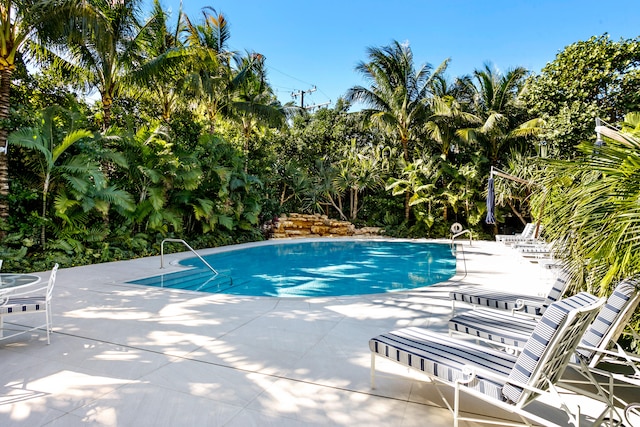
(514,331)
(526,234)
(505,380)
(499,300)
(530,234)
(594,348)
(36,299)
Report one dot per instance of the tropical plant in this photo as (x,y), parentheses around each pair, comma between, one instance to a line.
(361,169)
(592,78)
(397,99)
(23,26)
(157,170)
(163,69)
(447,117)
(591,209)
(51,144)
(418,179)
(227,198)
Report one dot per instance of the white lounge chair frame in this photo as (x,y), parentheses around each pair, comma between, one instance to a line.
(32,300)
(544,364)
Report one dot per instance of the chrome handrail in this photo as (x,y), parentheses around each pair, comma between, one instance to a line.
(453,236)
(190,248)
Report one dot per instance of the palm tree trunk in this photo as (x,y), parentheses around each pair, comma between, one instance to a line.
(45,191)
(107,103)
(407,207)
(407,196)
(354,213)
(5,87)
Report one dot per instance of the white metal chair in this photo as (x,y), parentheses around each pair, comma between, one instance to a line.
(35,299)
(506,381)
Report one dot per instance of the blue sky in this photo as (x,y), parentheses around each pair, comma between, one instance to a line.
(312,43)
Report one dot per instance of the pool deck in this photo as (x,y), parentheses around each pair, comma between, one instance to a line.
(128,355)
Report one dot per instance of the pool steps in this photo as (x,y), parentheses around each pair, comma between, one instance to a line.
(191,280)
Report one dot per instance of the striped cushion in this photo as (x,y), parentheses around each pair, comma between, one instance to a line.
(441,356)
(535,250)
(508,301)
(498,327)
(528,361)
(497,299)
(23,305)
(503,328)
(611,319)
(556,292)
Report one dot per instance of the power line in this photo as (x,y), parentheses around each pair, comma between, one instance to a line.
(288,75)
(301,93)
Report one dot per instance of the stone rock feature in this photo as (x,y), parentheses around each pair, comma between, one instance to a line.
(301,225)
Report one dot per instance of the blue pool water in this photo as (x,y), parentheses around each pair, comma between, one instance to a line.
(315,269)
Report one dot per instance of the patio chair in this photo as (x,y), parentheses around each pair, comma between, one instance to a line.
(528,235)
(507,381)
(512,332)
(33,300)
(529,305)
(595,347)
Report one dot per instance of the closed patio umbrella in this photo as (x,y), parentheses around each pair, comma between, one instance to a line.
(491,203)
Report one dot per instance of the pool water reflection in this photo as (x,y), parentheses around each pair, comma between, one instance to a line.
(316,268)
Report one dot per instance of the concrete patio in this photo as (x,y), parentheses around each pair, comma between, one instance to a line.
(125,355)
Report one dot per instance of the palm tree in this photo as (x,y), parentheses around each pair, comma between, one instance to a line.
(52,143)
(493,99)
(158,171)
(22,26)
(105,42)
(254,104)
(210,75)
(360,169)
(397,98)
(164,67)
(417,180)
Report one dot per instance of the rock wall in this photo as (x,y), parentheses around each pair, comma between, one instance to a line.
(300,225)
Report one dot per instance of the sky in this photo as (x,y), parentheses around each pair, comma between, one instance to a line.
(317,44)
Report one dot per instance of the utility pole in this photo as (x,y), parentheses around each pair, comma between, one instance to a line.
(301,93)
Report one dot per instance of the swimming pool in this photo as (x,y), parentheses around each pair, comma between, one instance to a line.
(315,268)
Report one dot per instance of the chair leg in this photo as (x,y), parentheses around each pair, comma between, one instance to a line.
(456,404)
(49,322)
(373,370)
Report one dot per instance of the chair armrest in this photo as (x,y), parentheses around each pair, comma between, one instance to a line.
(474,371)
(620,353)
(521,303)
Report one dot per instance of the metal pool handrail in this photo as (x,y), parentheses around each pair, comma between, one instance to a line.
(190,248)
(457,230)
